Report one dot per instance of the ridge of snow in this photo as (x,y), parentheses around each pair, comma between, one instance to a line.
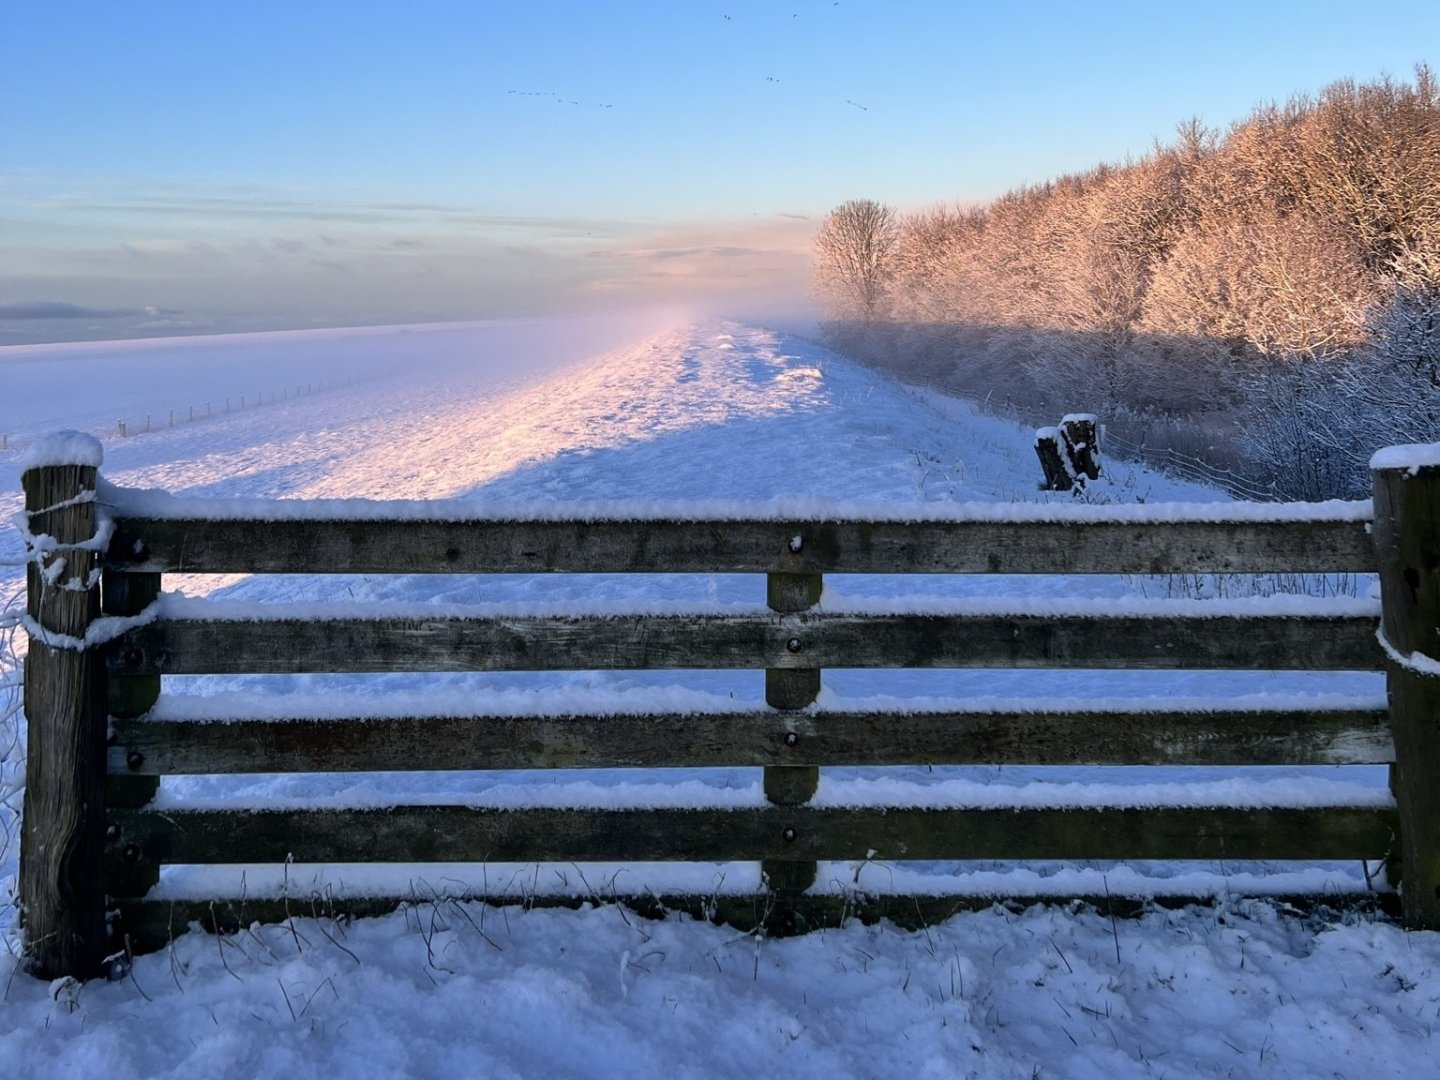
(1412,457)
(885,793)
(650,701)
(179,607)
(146,503)
(63,448)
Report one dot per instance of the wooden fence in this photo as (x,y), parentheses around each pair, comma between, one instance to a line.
(91,846)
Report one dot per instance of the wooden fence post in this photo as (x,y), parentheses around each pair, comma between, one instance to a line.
(129,696)
(790,785)
(63,834)
(1407,540)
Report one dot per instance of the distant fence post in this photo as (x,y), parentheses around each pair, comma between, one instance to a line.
(1407,540)
(63,836)
(791,688)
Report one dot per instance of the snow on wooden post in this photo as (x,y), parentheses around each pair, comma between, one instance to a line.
(785,689)
(63,835)
(1081,447)
(1057,470)
(1407,541)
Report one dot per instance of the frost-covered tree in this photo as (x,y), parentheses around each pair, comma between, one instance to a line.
(1321,422)
(854,263)
(1405,331)
(1272,274)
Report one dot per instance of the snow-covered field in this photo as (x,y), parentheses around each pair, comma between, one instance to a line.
(607,410)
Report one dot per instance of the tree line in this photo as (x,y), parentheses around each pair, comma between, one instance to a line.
(1273,289)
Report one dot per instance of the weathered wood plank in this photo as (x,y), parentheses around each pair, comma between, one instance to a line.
(63,825)
(293,646)
(1407,536)
(720,546)
(460,834)
(790,689)
(762,737)
(129,696)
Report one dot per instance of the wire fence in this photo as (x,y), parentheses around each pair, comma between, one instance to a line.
(1163,459)
(136,424)
(1185,467)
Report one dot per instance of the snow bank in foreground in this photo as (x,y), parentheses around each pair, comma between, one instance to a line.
(450,990)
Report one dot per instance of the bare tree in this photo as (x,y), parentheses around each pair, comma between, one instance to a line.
(854,258)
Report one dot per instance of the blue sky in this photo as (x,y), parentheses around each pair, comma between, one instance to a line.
(168,167)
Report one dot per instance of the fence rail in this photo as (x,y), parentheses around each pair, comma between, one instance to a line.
(1068,540)
(607,642)
(101,735)
(1016,736)
(478,834)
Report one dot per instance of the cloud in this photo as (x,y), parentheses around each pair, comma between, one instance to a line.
(59,309)
(246,257)
(28,322)
(718,262)
(720,251)
(246,206)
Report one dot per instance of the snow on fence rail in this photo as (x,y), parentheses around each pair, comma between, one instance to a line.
(101,735)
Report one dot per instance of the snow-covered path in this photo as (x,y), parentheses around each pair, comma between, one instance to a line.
(690,412)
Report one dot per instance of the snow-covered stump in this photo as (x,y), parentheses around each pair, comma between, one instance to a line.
(1407,540)
(1058,476)
(791,688)
(1081,446)
(62,842)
